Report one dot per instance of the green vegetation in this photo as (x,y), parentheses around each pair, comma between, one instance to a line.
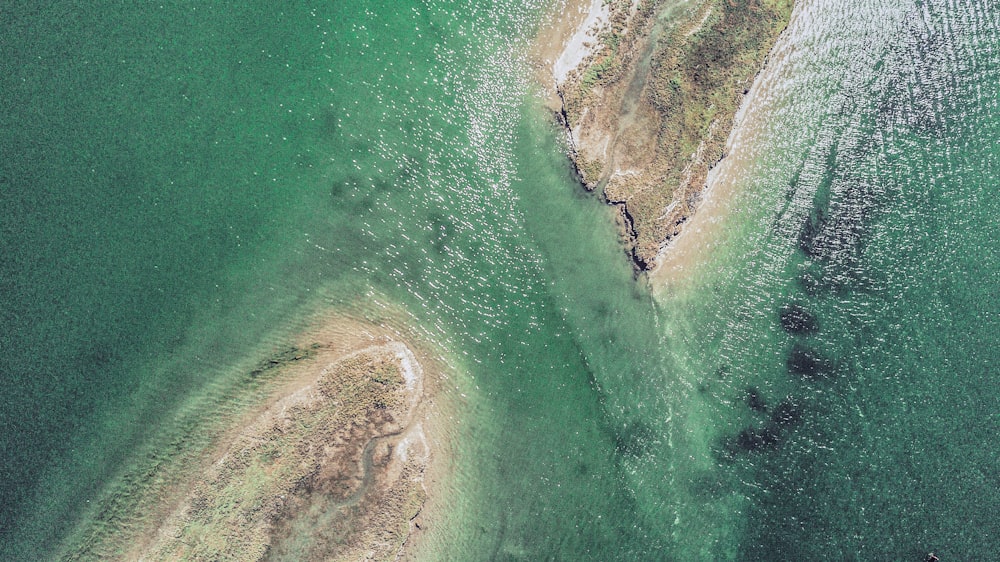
(698,79)
(697,82)
(145,484)
(611,59)
(271,470)
(590,168)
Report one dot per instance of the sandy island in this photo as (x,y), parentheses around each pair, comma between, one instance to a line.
(332,460)
(648,94)
(692,247)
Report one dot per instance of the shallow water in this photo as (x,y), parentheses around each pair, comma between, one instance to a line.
(182,185)
(861,288)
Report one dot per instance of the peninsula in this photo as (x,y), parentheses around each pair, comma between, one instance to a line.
(648,91)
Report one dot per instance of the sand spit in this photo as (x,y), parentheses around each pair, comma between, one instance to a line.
(655,96)
(329,464)
(693,246)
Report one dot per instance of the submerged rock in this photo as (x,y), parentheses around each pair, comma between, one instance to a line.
(796,320)
(754,400)
(810,235)
(787,413)
(768,437)
(811,281)
(807,363)
(755,439)
(634,439)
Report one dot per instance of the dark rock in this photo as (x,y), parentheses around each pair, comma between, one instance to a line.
(753,439)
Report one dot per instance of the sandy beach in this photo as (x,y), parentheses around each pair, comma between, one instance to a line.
(566,38)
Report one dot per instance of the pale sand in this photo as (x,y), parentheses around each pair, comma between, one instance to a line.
(565,39)
(438,424)
(584,41)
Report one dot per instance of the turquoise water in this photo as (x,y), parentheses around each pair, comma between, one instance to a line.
(182,185)
(852,299)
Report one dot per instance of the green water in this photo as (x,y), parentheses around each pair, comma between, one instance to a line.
(845,323)
(182,184)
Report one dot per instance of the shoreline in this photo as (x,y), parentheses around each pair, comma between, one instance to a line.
(553,50)
(646,123)
(387,473)
(685,252)
(355,481)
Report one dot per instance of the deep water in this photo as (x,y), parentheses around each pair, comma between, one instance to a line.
(182,184)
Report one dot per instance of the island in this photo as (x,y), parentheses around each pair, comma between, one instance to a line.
(648,92)
(319,452)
